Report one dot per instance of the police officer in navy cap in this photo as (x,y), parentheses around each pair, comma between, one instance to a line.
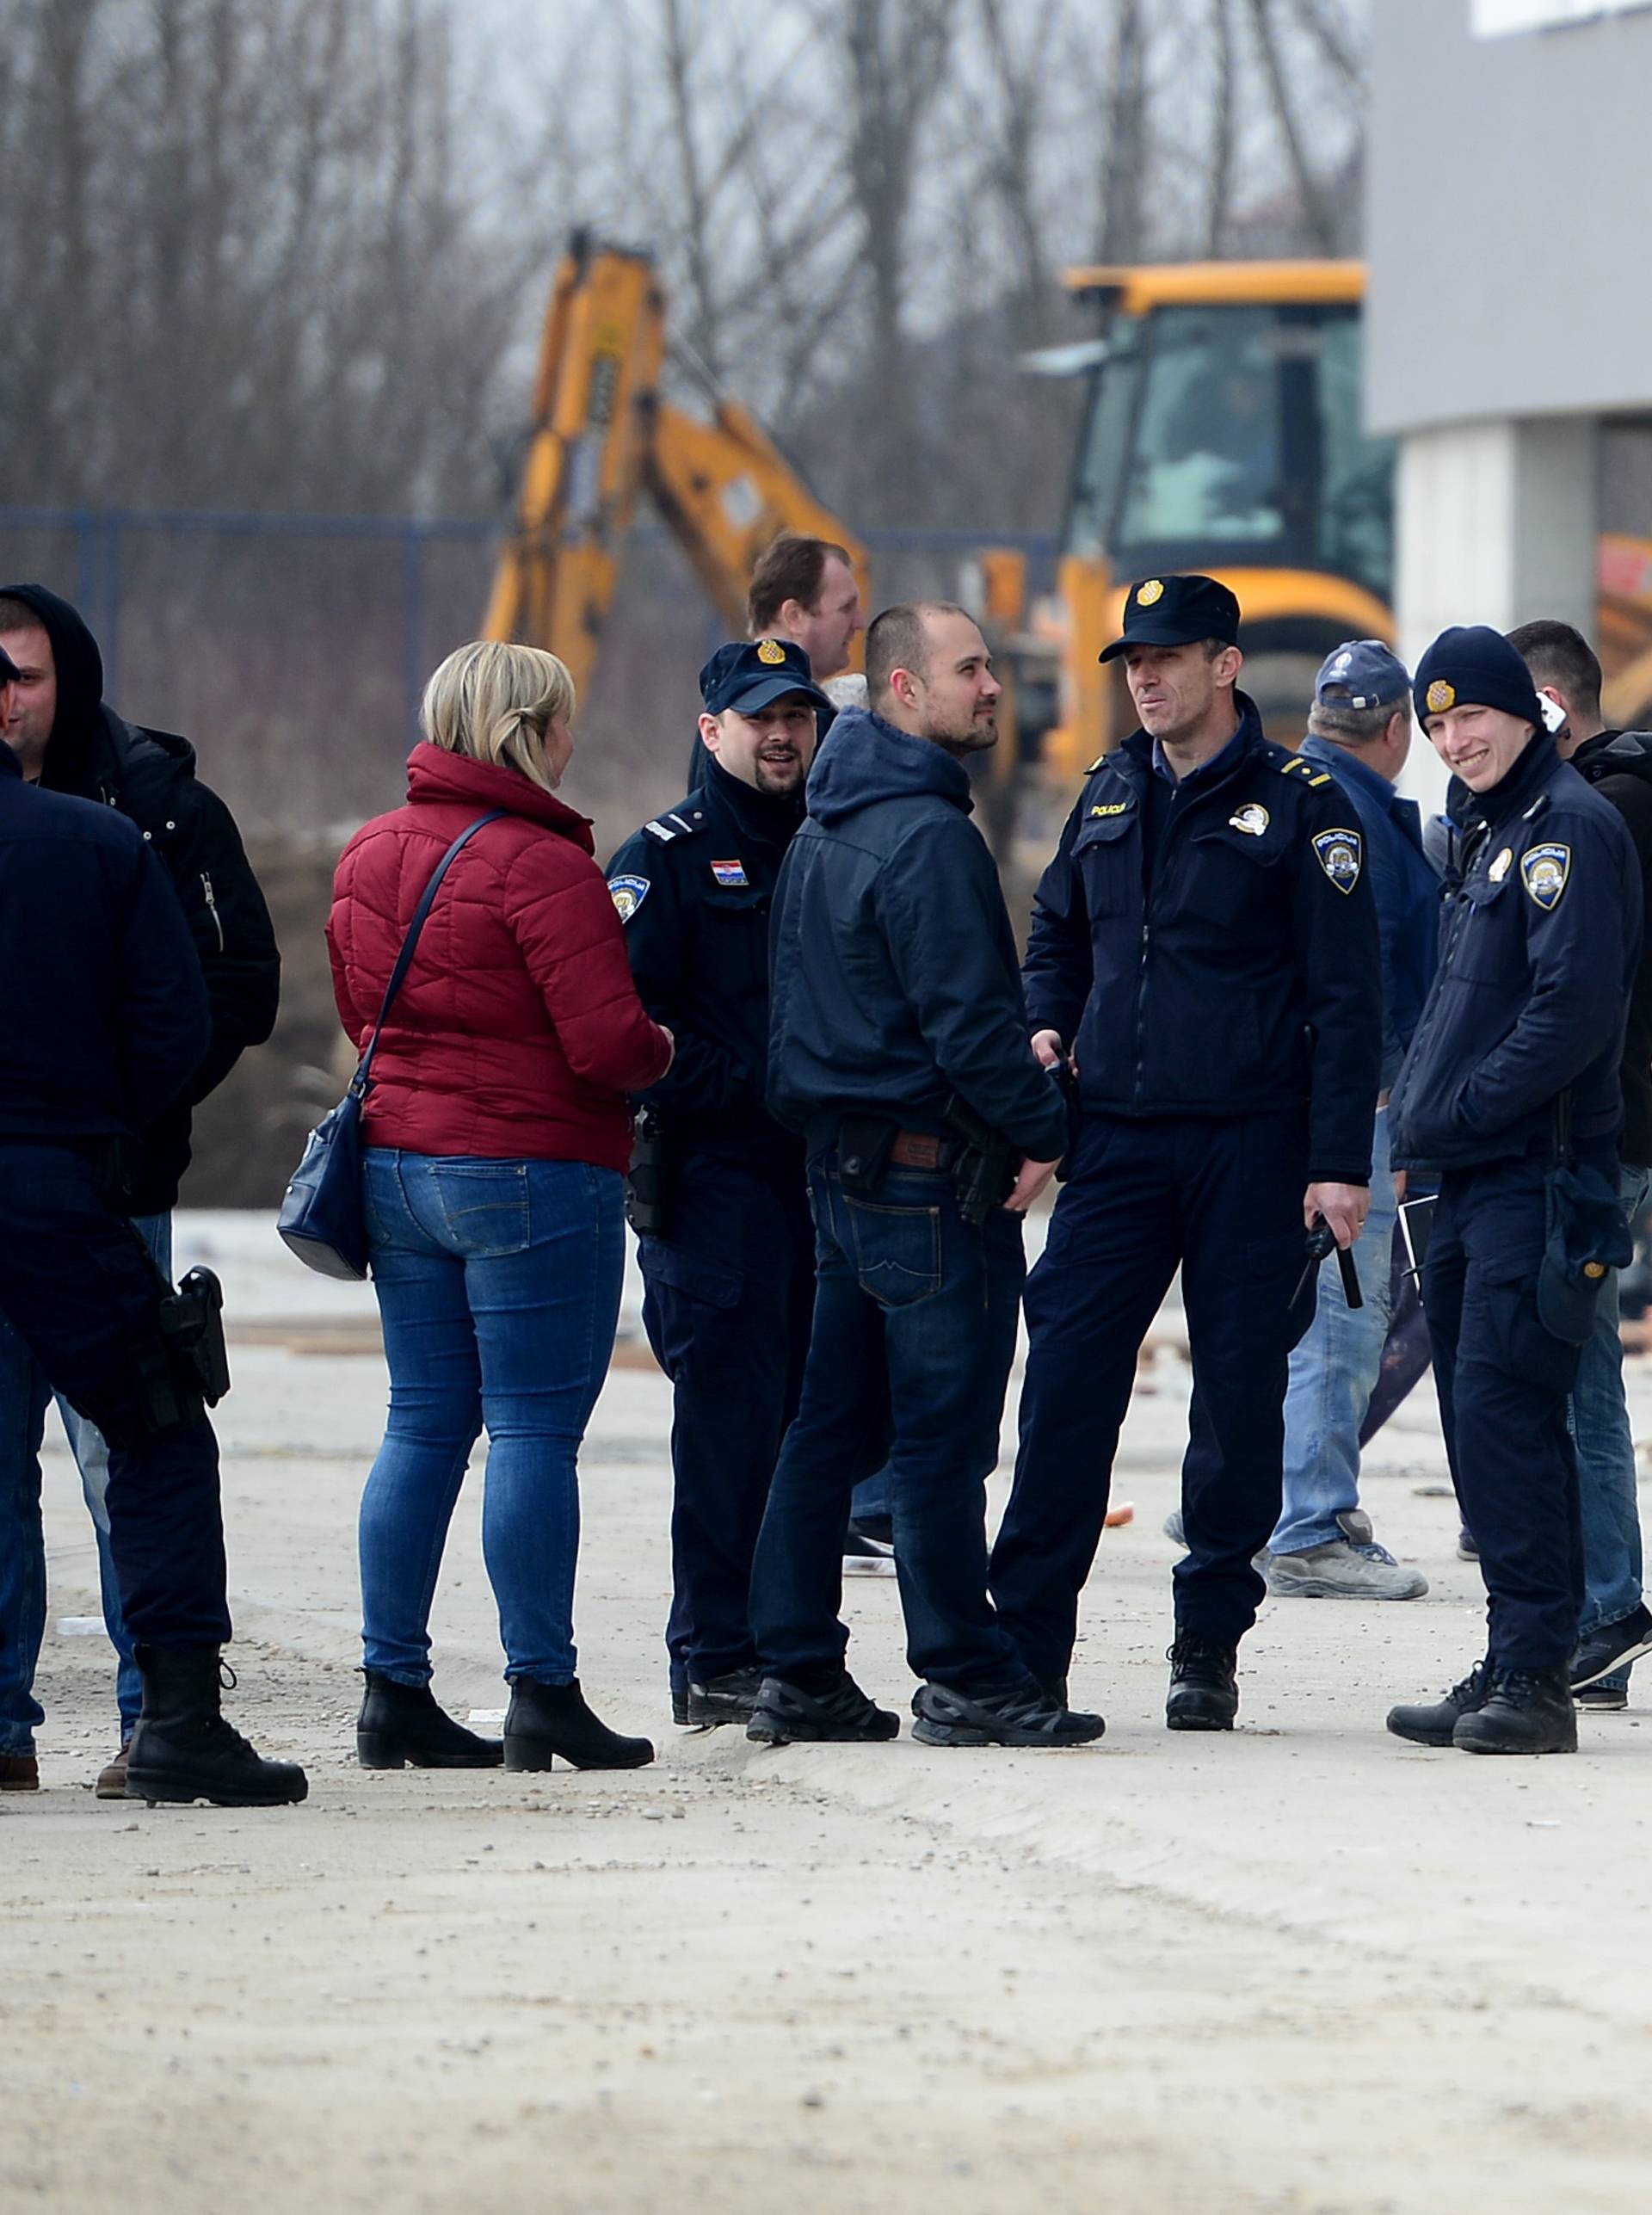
(730,1268)
(1511,1093)
(1203,951)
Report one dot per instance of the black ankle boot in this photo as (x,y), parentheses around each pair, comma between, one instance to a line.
(1527,1711)
(182,1749)
(401,1726)
(1204,1692)
(547,1720)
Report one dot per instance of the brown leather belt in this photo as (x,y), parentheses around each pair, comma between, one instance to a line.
(921,1149)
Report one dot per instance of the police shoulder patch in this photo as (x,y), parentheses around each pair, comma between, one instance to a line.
(627,894)
(1112,807)
(1339,853)
(1545,870)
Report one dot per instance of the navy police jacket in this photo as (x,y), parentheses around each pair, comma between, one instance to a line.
(1539,944)
(894,965)
(693,889)
(1241,975)
(102,1007)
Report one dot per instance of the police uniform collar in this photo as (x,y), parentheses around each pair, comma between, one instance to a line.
(1513,792)
(1142,752)
(11,765)
(1343,762)
(774,816)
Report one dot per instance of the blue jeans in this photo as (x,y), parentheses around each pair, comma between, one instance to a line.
(1334,1372)
(916,1313)
(1599,1422)
(24,1394)
(498,1284)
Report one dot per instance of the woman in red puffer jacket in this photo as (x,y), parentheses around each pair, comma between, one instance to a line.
(496,1135)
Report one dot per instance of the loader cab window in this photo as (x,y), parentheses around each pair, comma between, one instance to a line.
(1227,436)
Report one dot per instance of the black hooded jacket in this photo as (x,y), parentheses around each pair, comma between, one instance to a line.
(149,776)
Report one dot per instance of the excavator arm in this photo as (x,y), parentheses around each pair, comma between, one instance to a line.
(601,435)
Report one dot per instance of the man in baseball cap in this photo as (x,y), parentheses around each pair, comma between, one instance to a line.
(1359,732)
(727,1257)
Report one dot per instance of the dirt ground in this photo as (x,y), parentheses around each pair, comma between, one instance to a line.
(1305,1969)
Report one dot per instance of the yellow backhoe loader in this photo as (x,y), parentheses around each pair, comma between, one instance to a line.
(602,434)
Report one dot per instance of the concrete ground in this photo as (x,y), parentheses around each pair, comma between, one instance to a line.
(1306,1968)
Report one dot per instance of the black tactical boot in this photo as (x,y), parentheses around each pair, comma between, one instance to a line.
(544,1720)
(182,1749)
(1022,1715)
(786,1713)
(730,1697)
(1204,1692)
(1434,1726)
(1529,1711)
(401,1726)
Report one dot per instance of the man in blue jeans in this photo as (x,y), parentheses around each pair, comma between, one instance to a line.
(1322,1547)
(896,1014)
(1615,1627)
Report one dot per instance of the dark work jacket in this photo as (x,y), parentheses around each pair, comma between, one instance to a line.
(103,1008)
(1619,765)
(895,980)
(1539,947)
(149,776)
(694,888)
(1247,980)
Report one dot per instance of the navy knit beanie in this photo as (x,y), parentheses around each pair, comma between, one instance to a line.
(1471,665)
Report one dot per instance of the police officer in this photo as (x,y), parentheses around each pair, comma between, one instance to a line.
(1511,1091)
(730,1269)
(1204,949)
(898,1048)
(106,1018)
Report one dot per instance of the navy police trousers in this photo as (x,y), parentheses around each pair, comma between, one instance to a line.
(730,1293)
(79,1289)
(1222,1199)
(1504,1384)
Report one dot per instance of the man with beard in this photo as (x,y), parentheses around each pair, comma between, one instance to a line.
(728,1255)
(898,1048)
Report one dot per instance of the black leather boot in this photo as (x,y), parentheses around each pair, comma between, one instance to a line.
(1204,1692)
(548,1720)
(731,1698)
(1433,1725)
(401,1726)
(182,1749)
(1529,1711)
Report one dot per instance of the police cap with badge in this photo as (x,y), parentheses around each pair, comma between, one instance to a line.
(1176,611)
(749,676)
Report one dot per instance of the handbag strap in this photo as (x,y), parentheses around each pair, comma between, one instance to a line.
(404,959)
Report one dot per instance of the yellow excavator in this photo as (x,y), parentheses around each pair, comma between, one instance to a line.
(602,435)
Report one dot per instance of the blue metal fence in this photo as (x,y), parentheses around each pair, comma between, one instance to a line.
(299,644)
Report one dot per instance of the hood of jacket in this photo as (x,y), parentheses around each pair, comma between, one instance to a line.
(866,760)
(77,727)
(435,776)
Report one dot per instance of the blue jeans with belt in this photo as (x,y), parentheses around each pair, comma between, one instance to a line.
(916,1314)
(498,1284)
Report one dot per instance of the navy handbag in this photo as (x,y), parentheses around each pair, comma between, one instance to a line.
(321,1217)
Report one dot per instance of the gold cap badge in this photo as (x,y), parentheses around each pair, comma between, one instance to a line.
(1147,594)
(1594,1269)
(1441,696)
(771,653)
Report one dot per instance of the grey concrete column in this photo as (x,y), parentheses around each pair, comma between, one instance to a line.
(1496,523)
